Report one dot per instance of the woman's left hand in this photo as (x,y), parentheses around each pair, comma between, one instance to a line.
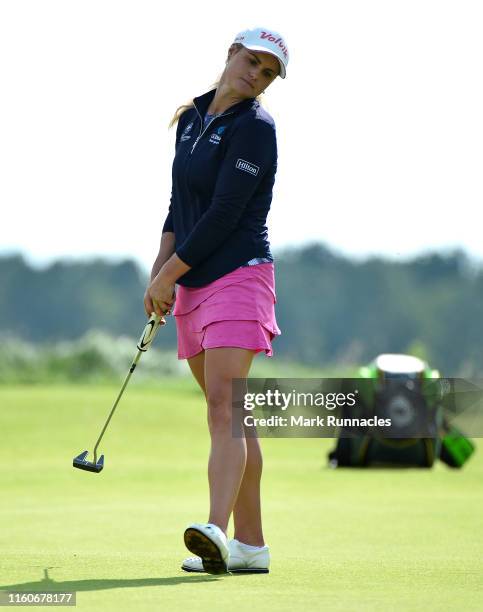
(161,291)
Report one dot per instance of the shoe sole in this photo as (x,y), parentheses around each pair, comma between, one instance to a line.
(194,571)
(248,570)
(199,544)
(254,570)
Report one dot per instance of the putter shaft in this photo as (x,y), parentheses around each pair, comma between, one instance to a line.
(147,337)
(131,370)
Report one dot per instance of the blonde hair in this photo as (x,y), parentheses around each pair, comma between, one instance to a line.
(184,107)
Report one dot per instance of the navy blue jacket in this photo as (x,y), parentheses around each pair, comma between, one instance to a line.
(223,177)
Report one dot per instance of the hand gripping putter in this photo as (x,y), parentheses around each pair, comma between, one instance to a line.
(147,337)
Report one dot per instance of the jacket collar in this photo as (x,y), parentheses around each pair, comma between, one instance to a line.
(201,103)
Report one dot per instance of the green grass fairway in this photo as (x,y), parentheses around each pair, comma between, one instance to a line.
(340,540)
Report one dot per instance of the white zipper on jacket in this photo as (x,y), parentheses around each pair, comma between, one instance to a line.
(202,131)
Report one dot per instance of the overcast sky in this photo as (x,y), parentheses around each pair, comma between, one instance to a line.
(379,121)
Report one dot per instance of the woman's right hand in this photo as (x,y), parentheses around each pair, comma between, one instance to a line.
(149,307)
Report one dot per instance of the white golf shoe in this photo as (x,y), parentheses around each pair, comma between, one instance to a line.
(210,543)
(242,559)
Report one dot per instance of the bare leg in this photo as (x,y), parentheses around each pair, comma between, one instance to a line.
(197,366)
(228,454)
(247,511)
(247,515)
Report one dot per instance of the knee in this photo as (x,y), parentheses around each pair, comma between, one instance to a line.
(219,410)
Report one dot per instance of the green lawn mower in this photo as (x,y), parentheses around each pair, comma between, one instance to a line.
(408,393)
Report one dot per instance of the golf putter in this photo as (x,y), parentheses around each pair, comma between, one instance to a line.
(147,337)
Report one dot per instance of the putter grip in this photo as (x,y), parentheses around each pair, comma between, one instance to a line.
(149,332)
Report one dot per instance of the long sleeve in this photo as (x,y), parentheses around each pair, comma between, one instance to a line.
(251,152)
(168,223)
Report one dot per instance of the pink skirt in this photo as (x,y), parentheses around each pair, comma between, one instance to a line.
(236,310)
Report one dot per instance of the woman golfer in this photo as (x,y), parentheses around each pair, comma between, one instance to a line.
(214,247)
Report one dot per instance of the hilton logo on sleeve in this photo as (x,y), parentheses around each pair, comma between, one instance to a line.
(241,164)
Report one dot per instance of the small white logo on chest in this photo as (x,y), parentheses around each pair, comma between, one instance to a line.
(215,139)
(185,135)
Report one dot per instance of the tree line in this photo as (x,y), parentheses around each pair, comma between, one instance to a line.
(331,309)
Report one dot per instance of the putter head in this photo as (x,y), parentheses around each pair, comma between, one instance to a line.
(81,462)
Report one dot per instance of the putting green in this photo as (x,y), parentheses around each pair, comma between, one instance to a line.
(340,540)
